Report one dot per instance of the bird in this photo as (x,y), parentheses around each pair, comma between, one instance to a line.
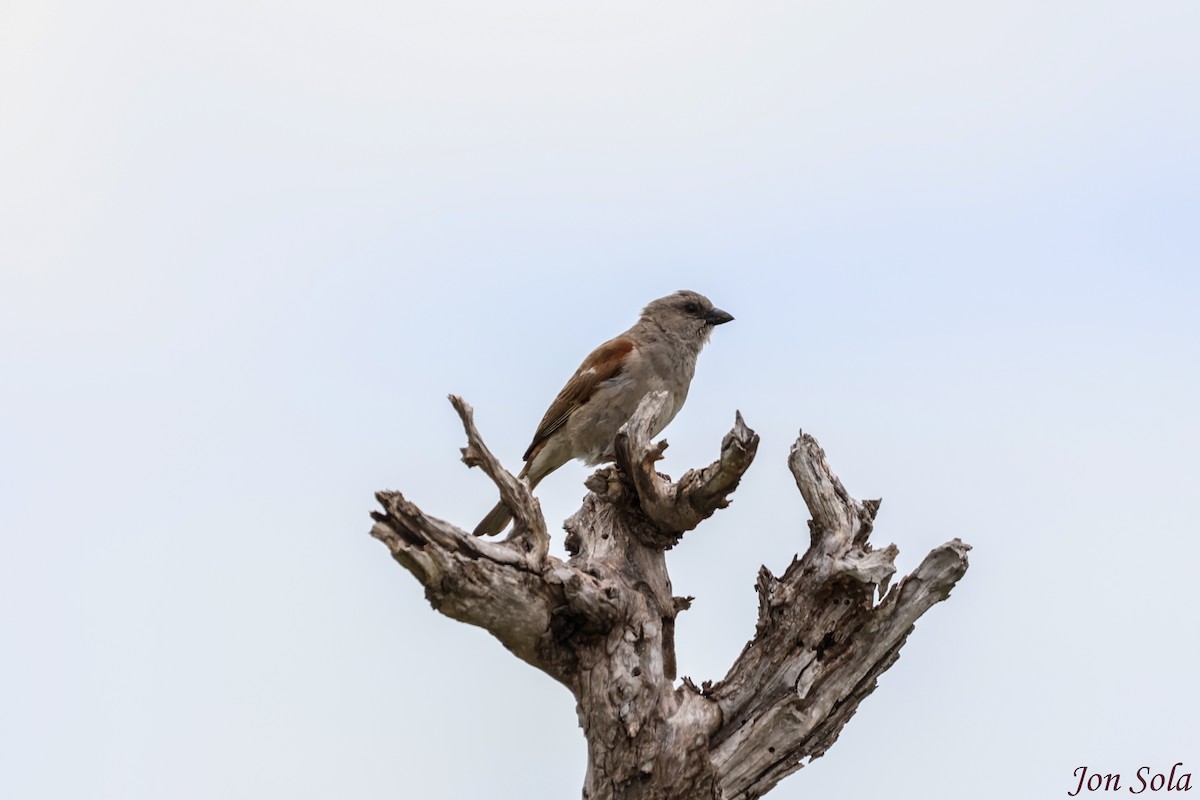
(657,354)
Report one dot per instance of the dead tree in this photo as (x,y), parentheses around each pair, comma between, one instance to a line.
(603,622)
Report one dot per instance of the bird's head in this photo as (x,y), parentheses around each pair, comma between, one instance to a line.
(686,315)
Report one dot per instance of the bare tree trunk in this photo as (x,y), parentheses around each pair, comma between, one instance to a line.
(603,623)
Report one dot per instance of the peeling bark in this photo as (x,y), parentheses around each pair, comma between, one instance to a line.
(603,622)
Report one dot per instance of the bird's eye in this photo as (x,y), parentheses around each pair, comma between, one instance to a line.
(692,308)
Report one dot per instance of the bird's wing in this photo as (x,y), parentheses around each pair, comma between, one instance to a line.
(604,363)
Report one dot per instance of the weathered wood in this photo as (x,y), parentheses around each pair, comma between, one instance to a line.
(603,622)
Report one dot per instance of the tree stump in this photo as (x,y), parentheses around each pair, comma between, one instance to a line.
(603,622)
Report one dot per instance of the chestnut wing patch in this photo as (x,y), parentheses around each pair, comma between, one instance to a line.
(605,362)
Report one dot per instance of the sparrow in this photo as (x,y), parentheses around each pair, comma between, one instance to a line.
(657,354)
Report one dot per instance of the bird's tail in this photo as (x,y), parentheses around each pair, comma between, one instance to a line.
(498,518)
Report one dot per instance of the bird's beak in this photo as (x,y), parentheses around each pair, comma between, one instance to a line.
(718,317)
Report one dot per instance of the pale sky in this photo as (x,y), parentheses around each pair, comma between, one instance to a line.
(246,249)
